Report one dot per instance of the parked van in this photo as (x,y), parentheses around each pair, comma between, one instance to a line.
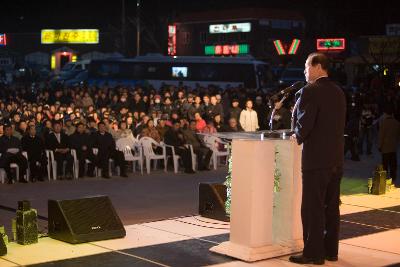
(76,66)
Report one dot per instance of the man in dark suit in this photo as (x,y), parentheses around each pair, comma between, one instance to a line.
(320,121)
(82,143)
(174,137)
(59,143)
(202,152)
(34,146)
(105,143)
(11,152)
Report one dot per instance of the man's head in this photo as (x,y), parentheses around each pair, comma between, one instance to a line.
(176,125)
(232,122)
(80,128)
(8,130)
(213,100)
(57,126)
(192,125)
(102,127)
(32,130)
(235,103)
(317,65)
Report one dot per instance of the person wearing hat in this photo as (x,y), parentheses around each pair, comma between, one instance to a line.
(156,104)
(11,152)
(262,112)
(234,111)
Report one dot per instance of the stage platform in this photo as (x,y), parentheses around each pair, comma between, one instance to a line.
(159,214)
(370,237)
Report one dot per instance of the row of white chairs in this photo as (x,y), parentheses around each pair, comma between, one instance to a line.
(135,151)
(144,148)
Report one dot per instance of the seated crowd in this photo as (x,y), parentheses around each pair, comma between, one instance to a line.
(92,120)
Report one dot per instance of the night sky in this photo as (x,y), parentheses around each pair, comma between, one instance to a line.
(349,18)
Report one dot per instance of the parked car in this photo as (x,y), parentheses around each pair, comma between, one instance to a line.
(79,79)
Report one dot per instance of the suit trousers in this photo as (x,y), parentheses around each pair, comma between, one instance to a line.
(103,157)
(18,159)
(389,162)
(203,156)
(320,212)
(82,155)
(60,158)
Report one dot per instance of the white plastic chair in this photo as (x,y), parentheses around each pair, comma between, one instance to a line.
(194,158)
(175,158)
(148,152)
(3,173)
(51,161)
(213,143)
(99,170)
(126,145)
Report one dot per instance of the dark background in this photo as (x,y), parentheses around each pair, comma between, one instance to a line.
(322,16)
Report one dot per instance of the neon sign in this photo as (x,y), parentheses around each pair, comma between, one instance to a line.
(171,40)
(232,27)
(280,49)
(3,39)
(226,50)
(80,36)
(336,44)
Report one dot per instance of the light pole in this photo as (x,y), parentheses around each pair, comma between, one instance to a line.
(137,27)
(123,28)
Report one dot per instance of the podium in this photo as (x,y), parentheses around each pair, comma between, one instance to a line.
(264,224)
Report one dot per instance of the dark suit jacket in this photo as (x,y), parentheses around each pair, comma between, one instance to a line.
(5,144)
(34,146)
(104,142)
(79,140)
(320,125)
(52,142)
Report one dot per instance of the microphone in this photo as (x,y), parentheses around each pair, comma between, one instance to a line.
(294,87)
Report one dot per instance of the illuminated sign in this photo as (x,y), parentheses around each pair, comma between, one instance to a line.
(280,49)
(226,50)
(171,40)
(232,27)
(3,39)
(336,44)
(79,36)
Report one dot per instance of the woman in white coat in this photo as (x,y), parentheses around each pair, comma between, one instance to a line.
(248,118)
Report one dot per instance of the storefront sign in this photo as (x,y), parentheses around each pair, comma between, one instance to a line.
(3,39)
(78,36)
(171,40)
(232,27)
(280,49)
(226,50)
(335,44)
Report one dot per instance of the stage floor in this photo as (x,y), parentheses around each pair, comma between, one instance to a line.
(157,213)
(370,237)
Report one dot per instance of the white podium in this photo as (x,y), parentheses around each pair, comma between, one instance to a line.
(264,224)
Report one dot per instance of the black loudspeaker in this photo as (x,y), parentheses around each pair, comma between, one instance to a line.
(84,220)
(3,247)
(212,198)
(27,227)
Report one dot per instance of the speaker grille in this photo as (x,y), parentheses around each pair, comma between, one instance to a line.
(90,215)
